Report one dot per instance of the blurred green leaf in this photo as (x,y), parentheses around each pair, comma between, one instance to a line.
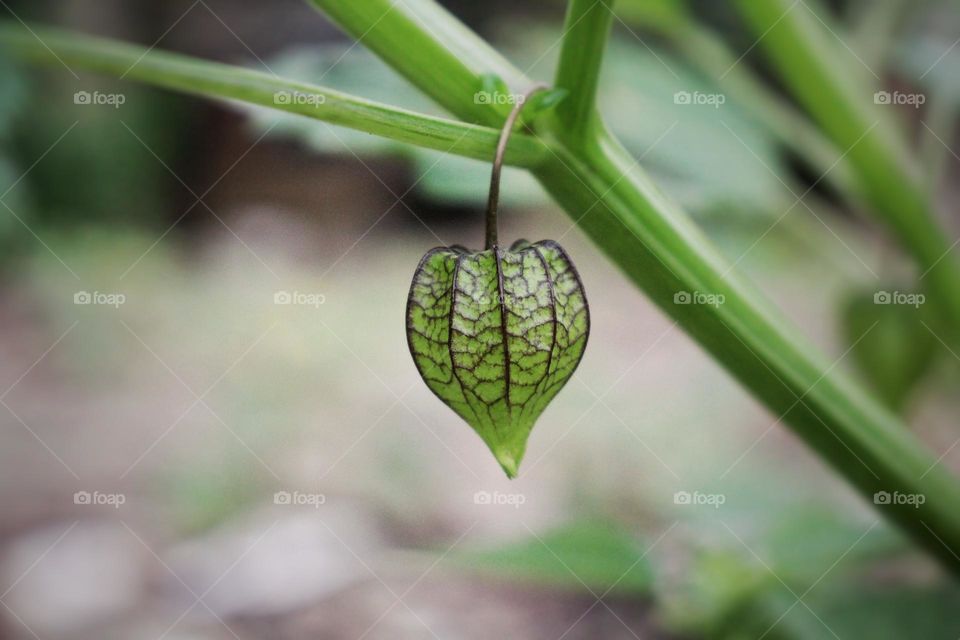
(803,543)
(857,610)
(891,346)
(891,613)
(595,555)
(12,98)
(103,166)
(12,95)
(738,586)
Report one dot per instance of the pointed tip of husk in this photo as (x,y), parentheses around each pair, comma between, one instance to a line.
(510,465)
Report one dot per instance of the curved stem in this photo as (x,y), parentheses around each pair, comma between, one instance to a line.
(493,200)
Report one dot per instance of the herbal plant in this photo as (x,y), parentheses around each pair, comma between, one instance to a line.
(608,194)
(496,334)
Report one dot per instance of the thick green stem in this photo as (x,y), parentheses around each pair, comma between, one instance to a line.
(216,80)
(805,53)
(663,253)
(588,26)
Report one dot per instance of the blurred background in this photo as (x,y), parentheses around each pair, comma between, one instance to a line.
(212,426)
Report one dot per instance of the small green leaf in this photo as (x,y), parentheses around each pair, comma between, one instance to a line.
(542,101)
(496,334)
(491,83)
(493,90)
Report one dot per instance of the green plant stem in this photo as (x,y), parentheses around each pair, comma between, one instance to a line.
(663,252)
(588,24)
(216,80)
(805,54)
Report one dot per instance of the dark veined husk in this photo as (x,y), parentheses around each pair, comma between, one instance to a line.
(496,334)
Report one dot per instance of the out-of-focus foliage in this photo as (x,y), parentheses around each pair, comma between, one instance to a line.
(12,96)
(594,555)
(855,610)
(98,161)
(106,173)
(924,53)
(890,342)
(749,585)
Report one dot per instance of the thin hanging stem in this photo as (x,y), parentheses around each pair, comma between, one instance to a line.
(494,199)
